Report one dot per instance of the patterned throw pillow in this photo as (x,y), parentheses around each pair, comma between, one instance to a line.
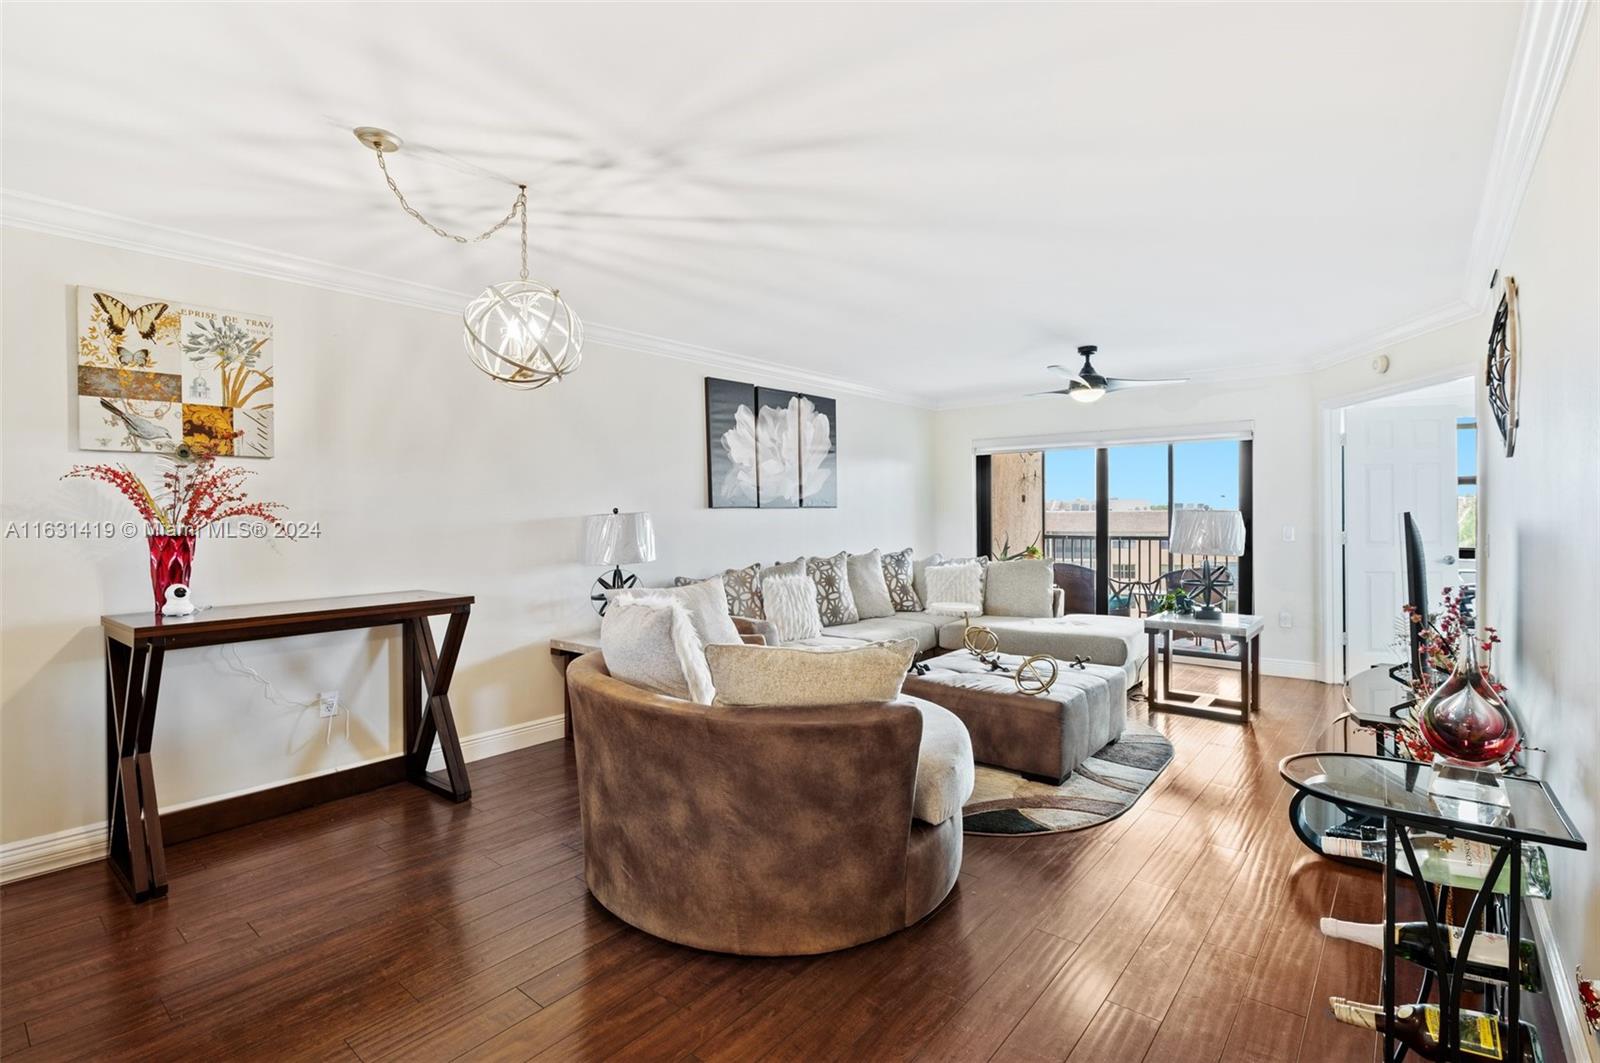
(792,607)
(835,603)
(742,586)
(897,574)
(744,591)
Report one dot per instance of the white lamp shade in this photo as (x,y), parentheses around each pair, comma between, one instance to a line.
(1207,532)
(618,539)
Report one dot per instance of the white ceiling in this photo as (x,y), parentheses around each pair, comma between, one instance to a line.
(937,200)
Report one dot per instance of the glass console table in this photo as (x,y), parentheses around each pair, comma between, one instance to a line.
(1376,703)
(1431,839)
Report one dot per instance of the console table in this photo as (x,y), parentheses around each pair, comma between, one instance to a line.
(1243,628)
(136,644)
(1398,794)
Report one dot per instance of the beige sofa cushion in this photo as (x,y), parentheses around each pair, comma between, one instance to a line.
(868,586)
(780,675)
(891,628)
(1018,588)
(945,774)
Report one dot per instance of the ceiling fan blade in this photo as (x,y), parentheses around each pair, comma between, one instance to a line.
(1115,383)
(1074,386)
(1064,371)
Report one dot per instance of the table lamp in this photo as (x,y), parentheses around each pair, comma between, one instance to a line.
(616,539)
(1208,533)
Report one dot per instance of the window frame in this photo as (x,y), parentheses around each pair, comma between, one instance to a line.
(1469,552)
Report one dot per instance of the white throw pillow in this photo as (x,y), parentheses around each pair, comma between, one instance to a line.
(706,602)
(767,675)
(955,589)
(650,641)
(791,606)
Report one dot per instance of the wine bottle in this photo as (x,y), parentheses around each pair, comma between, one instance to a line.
(1486,959)
(1416,1026)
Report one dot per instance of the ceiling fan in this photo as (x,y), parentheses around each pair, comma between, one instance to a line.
(1089,385)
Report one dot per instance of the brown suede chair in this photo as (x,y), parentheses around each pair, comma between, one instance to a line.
(756,831)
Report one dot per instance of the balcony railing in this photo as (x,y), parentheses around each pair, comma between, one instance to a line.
(1142,568)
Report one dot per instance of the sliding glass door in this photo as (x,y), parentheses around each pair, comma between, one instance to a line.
(1104,515)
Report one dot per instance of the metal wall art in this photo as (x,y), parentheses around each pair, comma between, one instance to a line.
(1505,365)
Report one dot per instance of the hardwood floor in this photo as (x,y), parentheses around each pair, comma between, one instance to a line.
(396,926)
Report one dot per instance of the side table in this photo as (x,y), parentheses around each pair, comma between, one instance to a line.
(1242,628)
(566,650)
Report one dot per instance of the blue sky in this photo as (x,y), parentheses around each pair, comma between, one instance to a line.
(1202,472)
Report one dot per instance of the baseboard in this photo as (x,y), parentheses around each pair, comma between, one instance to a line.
(31,857)
(1282,667)
(1579,1043)
(52,852)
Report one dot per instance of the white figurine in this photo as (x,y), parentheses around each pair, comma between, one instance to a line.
(178,603)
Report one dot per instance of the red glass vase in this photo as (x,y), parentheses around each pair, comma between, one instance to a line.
(1465,720)
(171,561)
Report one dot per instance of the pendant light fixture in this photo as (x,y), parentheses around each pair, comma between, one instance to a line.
(518,332)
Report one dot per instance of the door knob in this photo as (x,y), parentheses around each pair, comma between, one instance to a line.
(1448,559)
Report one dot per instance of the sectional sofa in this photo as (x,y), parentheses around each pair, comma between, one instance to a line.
(1021,605)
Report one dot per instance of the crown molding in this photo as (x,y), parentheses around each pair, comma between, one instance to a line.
(1446,314)
(22,210)
(1545,44)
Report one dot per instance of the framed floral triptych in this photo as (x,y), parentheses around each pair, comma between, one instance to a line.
(770,449)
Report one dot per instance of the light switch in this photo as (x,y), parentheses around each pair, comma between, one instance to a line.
(1285,618)
(1288,533)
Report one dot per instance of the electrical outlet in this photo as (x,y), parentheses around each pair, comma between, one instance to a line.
(328,702)
(1285,618)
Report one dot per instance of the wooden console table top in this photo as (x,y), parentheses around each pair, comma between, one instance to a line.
(264,620)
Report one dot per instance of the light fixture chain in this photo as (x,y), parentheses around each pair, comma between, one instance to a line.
(522,208)
(518,207)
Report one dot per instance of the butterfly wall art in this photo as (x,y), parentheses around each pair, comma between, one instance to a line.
(154,373)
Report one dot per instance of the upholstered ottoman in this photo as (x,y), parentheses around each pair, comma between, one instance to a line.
(1044,737)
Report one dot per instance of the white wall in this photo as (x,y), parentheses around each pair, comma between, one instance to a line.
(1540,556)
(422,474)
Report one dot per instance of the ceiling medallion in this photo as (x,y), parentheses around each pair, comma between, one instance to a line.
(518,332)
(1505,365)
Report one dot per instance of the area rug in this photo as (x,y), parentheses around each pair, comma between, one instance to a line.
(1103,788)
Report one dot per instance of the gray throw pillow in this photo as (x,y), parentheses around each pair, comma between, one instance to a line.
(774,676)
(868,586)
(899,576)
(742,586)
(1018,588)
(835,603)
(919,574)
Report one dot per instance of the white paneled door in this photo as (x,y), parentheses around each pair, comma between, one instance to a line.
(1397,459)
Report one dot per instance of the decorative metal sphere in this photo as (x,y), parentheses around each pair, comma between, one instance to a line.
(1037,674)
(980,641)
(523,334)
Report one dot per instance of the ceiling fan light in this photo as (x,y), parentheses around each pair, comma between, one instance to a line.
(1088,394)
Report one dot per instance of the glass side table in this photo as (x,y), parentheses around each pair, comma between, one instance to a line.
(1396,792)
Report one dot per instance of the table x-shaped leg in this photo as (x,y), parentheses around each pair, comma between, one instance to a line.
(428,716)
(133,680)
